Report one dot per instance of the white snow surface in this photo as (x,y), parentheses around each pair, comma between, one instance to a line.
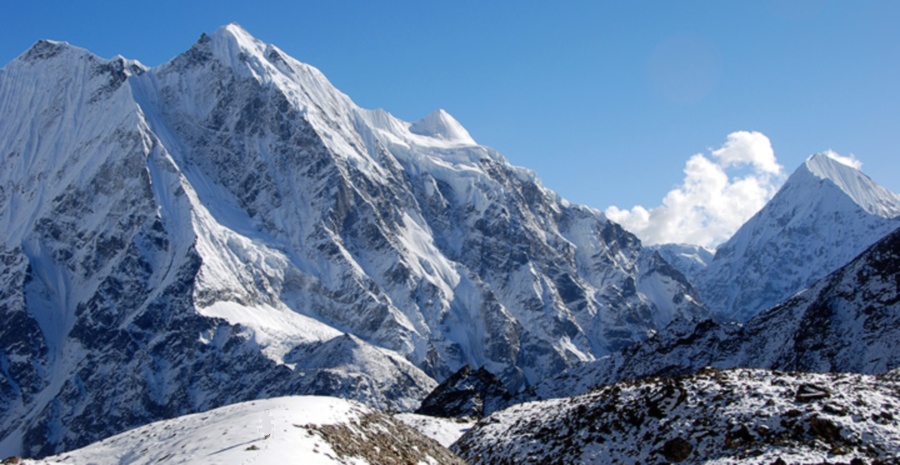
(279,430)
(440,125)
(869,195)
(689,259)
(445,431)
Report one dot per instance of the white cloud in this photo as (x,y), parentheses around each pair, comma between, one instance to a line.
(717,196)
(750,148)
(849,160)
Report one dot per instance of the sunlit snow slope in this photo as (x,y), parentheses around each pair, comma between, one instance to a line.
(311,430)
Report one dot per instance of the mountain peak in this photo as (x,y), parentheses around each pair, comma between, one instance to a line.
(234,46)
(844,173)
(46,49)
(440,125)
(824,215)
(233,32)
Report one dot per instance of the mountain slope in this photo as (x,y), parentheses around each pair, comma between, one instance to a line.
(847,322)
(422,231)
(321,430)
(229,226)
(824,215)
(690,260)
(723,417)
(112,267)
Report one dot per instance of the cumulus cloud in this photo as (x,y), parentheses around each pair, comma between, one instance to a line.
(719,193)
(848,160)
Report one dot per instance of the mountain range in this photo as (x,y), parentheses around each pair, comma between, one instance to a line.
(228,227)
(848,322)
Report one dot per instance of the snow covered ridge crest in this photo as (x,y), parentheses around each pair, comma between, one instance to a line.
(228,226)
(311,91)
(845,173)
(320,430)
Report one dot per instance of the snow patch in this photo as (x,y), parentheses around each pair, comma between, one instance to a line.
(440,125)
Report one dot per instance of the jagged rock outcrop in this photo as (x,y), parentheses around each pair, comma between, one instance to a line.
(466,394)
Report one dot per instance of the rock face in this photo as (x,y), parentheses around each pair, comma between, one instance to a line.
(826,214)
(729,417)
(467,394)
(229,226)
(847,322)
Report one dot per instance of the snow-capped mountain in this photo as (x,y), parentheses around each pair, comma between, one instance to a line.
(321,430)
(229,226)
(712,417)
(847,322)
(691,260)
(825,214)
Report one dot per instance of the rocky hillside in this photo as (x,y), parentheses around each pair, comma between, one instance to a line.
(724,417)
(467,394)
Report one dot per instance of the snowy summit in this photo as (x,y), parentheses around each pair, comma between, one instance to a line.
(824,215)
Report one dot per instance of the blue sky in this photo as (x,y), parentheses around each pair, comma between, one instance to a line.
(606,101)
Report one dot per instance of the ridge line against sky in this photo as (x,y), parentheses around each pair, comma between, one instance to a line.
(606,102)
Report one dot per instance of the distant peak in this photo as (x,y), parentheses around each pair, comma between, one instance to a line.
(440,125)
(843,172)
(233,30)
(828,158)
(830,165)
(45,49)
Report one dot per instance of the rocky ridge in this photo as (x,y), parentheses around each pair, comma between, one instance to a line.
(466,394)
(724,417)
